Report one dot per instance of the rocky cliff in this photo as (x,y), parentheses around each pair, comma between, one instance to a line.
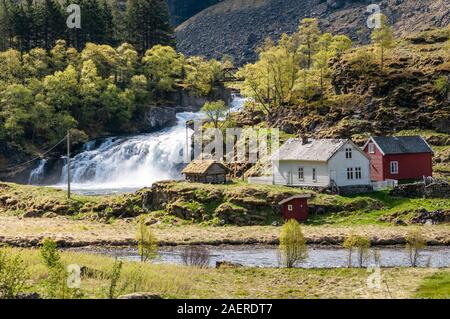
(237,27)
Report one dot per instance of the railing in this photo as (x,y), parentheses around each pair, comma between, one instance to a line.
(387,184)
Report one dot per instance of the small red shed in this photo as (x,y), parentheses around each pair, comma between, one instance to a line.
(295,207)
(399,157)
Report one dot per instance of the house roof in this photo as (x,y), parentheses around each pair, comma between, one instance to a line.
(315,150)
(294,197)
(201,166)
(401,144)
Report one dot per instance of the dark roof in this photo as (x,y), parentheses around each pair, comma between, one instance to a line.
(402,144)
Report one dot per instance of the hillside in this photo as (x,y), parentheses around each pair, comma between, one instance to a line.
(237,27)
(181,10)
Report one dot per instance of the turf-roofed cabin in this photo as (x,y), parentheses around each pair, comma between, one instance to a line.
(399,158)
(206,171)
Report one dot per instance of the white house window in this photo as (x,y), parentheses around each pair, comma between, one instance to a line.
(350,173)
(314,175)
(371,148)
(394,167)
(301,174)
(358,173)
(290,208)
(348,153)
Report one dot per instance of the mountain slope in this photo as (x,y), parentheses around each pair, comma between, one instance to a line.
(237,27)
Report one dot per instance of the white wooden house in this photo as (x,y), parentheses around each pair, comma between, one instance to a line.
(321,163)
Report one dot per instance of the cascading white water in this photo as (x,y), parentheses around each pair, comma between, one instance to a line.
(128,163)
(38,173)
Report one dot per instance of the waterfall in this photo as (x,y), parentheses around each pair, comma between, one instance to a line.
(129,163)
(38,173)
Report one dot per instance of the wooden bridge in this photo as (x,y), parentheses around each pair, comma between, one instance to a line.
(229,75)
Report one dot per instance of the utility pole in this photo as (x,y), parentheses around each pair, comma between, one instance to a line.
(68,164)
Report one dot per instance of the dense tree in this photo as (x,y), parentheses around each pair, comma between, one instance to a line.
(147,24)
(162,66)
(27,24)
(295,69)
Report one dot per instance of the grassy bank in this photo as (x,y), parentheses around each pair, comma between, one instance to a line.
(170,281)
(28,214)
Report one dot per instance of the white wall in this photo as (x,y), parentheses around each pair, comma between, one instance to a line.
(282,169)
(339,163)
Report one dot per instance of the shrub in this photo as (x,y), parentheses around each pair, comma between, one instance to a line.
(13,275)
(56,282)
(292,244)
(441,85)
(415,242)
(147,242)
(196,256)
(114,278)
(361,244)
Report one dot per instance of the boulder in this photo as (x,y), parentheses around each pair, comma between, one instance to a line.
(157,117)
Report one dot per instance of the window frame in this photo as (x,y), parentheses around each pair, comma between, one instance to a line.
(349,153)
(358,173)
(301,173)
(391,166)
(371,148)
(314,174)
(350,173)
(290,208)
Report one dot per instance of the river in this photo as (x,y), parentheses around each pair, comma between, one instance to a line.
(267,256)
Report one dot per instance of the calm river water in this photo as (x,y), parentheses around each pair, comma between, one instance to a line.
(267,256)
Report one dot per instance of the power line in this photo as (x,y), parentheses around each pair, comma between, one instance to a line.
(34,159)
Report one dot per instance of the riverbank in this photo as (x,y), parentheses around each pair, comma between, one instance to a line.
(172,281)
(29,232)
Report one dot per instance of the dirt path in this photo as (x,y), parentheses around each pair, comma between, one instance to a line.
(28,232)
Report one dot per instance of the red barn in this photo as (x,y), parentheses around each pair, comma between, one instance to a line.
(295,207)
(399,157)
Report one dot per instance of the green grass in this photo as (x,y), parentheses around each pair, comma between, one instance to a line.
(367,216)
(436,286)
(173,281)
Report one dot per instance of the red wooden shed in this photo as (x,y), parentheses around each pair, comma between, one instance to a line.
(295,207)
(399,157)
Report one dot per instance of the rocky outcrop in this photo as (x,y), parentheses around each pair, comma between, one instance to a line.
(421,216)
(158,117)
(238,27)
(437,189)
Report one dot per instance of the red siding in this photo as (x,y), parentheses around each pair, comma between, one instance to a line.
(410,166)
(376,164)
(299,211)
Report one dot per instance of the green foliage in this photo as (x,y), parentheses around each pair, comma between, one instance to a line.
(162,66)
(415,242)
(25,25)
(113,289)
(147,242)
(215,111)
(56,282)
(361,244)
(295,70)
(292,244)
(383,38)
(442,85)
(13,274)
